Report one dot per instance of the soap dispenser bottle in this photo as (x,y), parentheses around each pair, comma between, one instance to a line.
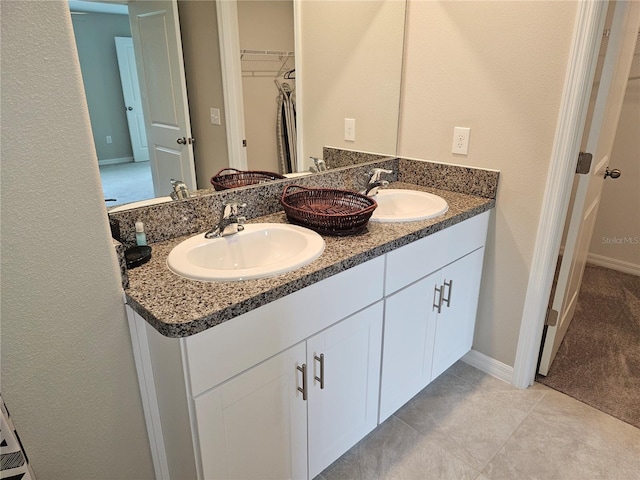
(141,237)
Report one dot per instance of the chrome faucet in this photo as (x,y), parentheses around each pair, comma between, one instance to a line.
(230,222)
(180,190)
(321,166)
(375,181)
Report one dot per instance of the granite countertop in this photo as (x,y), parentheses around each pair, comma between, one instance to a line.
(178,307)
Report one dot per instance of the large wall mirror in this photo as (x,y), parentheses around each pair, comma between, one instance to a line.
(335,59)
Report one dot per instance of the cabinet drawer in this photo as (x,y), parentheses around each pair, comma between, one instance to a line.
(236,345)
(418,259)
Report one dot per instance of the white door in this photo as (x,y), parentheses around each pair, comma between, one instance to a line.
(158,50)
(132,100)
(343,374)
(255,425)
(598,140)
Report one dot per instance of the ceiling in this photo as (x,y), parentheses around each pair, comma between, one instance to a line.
(90,6)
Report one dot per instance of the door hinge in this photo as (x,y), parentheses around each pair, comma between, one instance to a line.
(584,163)
(552,318)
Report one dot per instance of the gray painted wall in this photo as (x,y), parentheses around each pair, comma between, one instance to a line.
(95,34)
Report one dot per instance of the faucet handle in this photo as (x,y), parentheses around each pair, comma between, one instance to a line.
(233,208)
(319,163)
(376,173)
(180,190)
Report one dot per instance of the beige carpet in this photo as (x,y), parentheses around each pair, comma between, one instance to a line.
(599,360)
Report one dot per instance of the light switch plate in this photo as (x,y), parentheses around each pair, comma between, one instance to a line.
(350,129)
(215,116)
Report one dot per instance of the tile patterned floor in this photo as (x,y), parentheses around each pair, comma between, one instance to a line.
(469,425)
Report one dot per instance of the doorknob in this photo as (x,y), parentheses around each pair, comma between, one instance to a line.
(129,108)
(182,141)
(615,173)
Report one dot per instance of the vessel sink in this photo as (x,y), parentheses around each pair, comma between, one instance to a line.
(260,250)
(407,206)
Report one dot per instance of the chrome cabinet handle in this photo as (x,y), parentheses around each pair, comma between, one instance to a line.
(437,305)
(303,390)
(321,377)
(448,299)
(129,108)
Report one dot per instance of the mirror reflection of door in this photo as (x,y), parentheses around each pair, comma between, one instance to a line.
(132,100)
(156,38)
(123,179)
(206,112)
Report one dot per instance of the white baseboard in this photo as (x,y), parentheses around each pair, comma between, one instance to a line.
(113,161)
(613,264)
(489,365)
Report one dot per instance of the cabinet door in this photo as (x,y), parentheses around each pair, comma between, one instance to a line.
(409,332)
(343,377)
(456,322)
(254,425)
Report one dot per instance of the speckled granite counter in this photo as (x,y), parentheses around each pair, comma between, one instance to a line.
(178,307)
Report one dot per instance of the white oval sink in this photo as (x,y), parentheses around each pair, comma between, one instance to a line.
(260,250)
(407,206)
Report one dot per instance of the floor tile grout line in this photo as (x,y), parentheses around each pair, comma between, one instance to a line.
(436,443)
(544,394)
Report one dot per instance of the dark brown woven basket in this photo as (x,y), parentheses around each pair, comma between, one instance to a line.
(239,178)
(326,210)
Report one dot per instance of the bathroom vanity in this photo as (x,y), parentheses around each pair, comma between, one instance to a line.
(286,385)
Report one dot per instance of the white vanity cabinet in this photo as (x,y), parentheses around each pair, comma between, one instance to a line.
(278,392)
(343,365)
(456,317)
(285,389)
(256,425)
(429,320)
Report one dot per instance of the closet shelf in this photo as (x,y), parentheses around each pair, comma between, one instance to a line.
(266,63)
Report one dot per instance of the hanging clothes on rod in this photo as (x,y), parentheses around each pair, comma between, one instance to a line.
(286,127)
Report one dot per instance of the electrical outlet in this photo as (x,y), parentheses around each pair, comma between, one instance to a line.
(350,129)
(460,140)
(109,139)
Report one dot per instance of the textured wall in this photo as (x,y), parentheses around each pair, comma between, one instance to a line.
(497,67)
(68,375)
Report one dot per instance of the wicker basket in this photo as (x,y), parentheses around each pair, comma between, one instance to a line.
(327,210)
(238,178)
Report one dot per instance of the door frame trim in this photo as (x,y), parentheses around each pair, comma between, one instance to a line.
(227,13)
(587,35)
